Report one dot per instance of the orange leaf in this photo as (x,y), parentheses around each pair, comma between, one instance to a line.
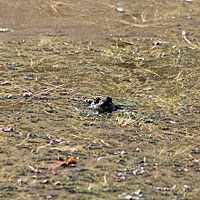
(59,163)
(71,160)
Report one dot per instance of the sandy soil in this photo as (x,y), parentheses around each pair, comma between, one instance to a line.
(90,20)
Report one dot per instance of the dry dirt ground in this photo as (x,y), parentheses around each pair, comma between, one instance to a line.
(89,20)
(55,55)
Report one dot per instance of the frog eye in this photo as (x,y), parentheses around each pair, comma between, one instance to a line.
(97,100)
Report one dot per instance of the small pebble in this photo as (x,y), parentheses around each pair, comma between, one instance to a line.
(73,149)
(129,197)
(20,182)
(8,129)
(4,29)
(120,10)
(138,149)
(163,188)
(138,95)
(147,89)
(172,122)
(184,33)
(46,181)
(120,177)
(65,43)
(140,58)
(6,83)
(9,96)
(191,48)
(138,192)
(159,42)
(27,94)
(57,183)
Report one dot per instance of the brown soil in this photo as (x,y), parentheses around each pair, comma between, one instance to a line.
(90,20)
(56,56)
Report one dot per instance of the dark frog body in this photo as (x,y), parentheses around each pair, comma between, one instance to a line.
(104,105)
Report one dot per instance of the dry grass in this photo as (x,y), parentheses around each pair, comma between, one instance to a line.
(159,107)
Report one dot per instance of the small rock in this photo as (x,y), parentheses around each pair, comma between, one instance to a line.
(120,177)
(20,182)
(138,192)
(4,29)
(46,181)
(171,122)
(138,149)
(138,95)
(184,33)
(6,83)
(147,89)
(9,96)
(74,99)
(8,129)
(139,171)
(57,183)
(190,48)
(129,197)
(65,43)
(159,42)
(27,94)
(163,188)
(120,10)
(22,42)
(140,59)
(73,149)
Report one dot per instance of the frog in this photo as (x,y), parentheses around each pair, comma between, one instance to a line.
(104,105)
